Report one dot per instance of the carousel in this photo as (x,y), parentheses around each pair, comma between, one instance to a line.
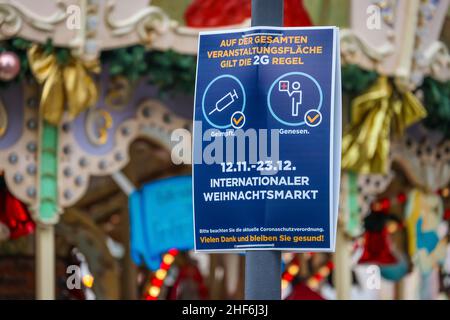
(91,92)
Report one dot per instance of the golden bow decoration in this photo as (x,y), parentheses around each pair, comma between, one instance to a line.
(366,144)
(63,85)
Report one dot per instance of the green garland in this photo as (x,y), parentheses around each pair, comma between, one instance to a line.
(356,80)
(170,71)
(128,62)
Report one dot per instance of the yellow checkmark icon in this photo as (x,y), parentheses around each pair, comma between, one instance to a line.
(236,122)
(313,119)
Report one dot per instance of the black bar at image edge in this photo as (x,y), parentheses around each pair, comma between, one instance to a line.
(221,309)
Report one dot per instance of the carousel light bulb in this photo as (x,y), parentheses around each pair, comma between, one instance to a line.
(376,206)
(284,283)
(154,291)
(392,227)
(168,259)
(313,283)
(160,274)
(293,269)
(88,280)
(324,271)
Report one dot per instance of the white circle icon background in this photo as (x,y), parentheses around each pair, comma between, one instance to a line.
(311,114)
(237,115)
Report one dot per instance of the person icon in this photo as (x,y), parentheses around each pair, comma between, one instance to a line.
(296,104)
(291,95)
(292,91)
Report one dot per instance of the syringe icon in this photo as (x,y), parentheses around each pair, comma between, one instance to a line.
(225,101)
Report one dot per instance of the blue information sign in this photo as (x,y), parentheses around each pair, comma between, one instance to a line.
(160,219)
(267,139)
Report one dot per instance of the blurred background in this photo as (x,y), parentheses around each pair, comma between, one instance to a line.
(92,206)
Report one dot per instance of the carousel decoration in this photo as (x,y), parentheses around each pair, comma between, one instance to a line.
(377,246)
(396,77)
(160,275)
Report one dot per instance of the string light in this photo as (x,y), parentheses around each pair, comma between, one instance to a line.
(313,282)
(154,291)
(291,271)
(168,259)
(88,280)
(160,275)
(385,204)
(392,227)
(294,269)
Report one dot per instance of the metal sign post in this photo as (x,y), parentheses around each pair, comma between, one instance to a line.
(263,268)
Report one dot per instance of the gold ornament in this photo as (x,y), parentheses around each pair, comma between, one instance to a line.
(365,145)
(68,84)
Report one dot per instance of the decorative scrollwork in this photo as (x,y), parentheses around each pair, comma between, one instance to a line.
(98,122)
(144,22)
(18,158)
(12,16)
(10,21)
(352,44)
(152,120)
(437,58)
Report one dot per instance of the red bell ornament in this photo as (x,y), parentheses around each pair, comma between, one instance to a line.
(377,242)
(377,249)
(14,215)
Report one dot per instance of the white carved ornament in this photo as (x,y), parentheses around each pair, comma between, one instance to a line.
(91,26)
(403,45)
